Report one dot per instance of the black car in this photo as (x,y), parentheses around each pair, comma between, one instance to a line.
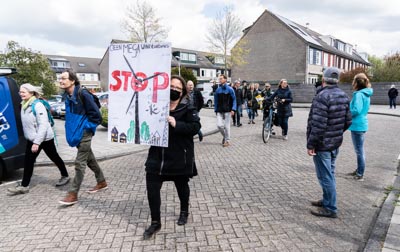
(12,140)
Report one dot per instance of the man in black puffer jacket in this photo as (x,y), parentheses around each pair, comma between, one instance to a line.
(328,119)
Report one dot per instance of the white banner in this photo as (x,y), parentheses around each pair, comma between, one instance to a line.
(138,106)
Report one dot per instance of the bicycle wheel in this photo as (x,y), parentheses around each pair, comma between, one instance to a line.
(266,131)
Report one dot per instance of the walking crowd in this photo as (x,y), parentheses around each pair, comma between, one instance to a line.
(331,114)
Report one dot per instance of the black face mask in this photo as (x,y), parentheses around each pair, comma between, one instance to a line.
(174,95)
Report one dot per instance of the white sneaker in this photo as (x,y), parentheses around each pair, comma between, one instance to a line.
(285,137)
(18,189)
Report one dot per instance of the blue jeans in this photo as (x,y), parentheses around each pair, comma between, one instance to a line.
(250,113)
(358,143)
(325,167)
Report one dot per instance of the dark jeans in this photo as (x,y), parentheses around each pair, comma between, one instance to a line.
(30,158)
(283,122)
(392,102)
(251,113)
(154,183)
(236,116)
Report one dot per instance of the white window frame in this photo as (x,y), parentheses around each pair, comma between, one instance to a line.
(192,57)
(318,57)
(311,56)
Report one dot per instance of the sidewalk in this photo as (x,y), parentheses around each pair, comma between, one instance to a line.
(388,219)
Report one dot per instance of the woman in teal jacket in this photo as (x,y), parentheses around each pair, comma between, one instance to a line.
(359,107)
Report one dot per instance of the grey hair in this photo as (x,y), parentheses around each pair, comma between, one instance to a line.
(35,90)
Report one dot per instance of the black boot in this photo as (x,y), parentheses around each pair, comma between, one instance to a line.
(152,229)
(183,218)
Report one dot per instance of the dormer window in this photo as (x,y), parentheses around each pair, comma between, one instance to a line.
(188,57)
(340,46)
(219,60)
(81,64)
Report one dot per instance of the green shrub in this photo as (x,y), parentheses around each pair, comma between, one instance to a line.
(104,115)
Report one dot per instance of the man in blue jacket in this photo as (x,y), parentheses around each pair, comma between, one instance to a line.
(224,107)
(329,117)
(81,120)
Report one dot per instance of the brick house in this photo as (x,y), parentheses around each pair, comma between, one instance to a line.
(280,48)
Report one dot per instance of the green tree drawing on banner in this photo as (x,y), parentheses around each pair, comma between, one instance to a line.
(145,131)
(131,132)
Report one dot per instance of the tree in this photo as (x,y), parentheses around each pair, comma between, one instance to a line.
(32,67)
(347,77)
(386,70)
(238,53)
(224,31)
(186,74)
(142,24)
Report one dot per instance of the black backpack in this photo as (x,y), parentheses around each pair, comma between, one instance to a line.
(95,98)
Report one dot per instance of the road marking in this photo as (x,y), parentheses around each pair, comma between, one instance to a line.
(11,182)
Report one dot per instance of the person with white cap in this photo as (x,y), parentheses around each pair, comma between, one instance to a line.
(39,135)
(329,117)
(392,93)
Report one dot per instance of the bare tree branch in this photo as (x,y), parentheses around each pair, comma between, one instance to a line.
(142,25)
(224,32)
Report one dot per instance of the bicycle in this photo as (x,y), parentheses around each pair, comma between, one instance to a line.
(270,108)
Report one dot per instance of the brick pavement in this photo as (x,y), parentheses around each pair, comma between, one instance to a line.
(250,196)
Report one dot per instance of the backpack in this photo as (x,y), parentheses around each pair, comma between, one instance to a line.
(95,98)
(48,108)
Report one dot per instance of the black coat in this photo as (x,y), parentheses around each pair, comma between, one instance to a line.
(239,96)
(284,109)
(393,93)
(251,99)
(329,117)
(197,99)
(178,158)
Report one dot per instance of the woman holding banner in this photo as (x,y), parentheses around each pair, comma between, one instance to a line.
(176,162)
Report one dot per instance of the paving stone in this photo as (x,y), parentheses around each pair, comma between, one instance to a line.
(249,196)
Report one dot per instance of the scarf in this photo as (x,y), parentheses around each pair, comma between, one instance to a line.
(25,104)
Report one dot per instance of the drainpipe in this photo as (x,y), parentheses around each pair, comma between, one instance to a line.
(307,60)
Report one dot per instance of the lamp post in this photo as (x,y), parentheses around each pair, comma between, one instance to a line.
(179,64)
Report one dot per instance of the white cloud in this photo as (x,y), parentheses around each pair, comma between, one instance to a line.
(85,28)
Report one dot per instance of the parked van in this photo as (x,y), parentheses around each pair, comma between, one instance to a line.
(208,97)
(12,140)
(204,86)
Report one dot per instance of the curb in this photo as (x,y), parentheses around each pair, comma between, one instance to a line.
(380,229)
(103,158)
(70,162)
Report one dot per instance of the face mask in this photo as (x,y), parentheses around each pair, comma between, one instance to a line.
(174,95)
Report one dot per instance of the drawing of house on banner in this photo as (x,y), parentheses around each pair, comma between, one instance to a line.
(155,139)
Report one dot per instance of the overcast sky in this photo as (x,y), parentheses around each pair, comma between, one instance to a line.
(85,27)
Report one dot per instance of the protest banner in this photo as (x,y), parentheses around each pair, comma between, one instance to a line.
(139,87)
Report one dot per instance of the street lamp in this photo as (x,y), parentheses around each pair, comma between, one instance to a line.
(179,64)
